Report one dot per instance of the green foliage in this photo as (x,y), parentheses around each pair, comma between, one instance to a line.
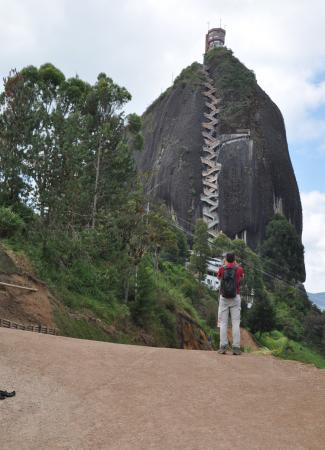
(138,141)
(314,329)
(286,322)
(142,309)
(237,85)
(234,75)
(63,147)
(283,251)
(191,75)
(178,252)
(199,296)
(134,123)
(201,250)
(10,222)
(50,75)
(135,131)
(221,245)
(78,328)
(291,305)
(285,348)
(261,317)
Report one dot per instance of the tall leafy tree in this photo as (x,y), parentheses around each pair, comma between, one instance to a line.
(15,132)
(106,127)
(261,317)
(201,250)
(283,251)
(63,145)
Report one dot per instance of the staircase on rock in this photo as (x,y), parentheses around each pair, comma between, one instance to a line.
(213,143)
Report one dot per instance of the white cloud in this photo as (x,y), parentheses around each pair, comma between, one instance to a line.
(313,237)
(141,43)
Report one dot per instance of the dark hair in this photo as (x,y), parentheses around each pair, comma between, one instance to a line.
(230,257)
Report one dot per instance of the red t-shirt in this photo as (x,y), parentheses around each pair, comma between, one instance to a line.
(239,274)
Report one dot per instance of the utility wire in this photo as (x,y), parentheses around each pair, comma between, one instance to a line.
(242,259)
(272,274)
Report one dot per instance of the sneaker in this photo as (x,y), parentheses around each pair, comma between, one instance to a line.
(5,394)
(236,351)
(222,350)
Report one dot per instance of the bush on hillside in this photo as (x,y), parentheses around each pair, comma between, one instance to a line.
(314,327)
(261,317)
(286,322)
(10,222)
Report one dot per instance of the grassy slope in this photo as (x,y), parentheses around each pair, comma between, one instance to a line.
(89,310)
(286,348)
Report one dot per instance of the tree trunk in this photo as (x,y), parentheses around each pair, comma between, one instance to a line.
(94,210)
(136,283)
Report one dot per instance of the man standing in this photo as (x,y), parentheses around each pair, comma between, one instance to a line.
(230,275)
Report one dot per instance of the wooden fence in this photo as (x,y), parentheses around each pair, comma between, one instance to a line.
(36,328)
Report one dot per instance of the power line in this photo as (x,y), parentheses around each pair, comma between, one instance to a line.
(242,259)
(269,262)
(272,274)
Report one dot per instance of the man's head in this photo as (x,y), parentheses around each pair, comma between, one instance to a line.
(230,257)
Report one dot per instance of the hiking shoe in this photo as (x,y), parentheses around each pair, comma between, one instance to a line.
(236,351)
(5,394)
(222,350)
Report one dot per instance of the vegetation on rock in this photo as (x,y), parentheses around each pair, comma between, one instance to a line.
(236,85)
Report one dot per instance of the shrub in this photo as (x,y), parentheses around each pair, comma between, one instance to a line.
(287,322)
(10,222)
(261,316)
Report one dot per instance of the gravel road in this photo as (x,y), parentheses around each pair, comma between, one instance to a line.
(78,394)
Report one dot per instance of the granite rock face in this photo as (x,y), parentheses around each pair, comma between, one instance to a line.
(256,180)
(170,160)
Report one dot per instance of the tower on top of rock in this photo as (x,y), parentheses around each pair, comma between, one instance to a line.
(214,38)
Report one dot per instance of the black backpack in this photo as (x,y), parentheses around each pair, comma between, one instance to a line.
(228,286)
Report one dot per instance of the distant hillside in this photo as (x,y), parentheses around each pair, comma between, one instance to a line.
(318,299)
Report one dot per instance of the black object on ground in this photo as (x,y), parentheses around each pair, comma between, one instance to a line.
(5,394)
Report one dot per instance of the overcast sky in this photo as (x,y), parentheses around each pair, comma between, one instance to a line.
(144,44)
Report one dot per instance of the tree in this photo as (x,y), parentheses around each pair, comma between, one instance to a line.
(63,146)
(142,309)
(135,131)
(315,329)
(261,316)
(15,129)
(106,131)
(201,250)
(283,251)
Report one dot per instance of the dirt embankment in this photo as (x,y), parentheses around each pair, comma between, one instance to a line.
(19,305)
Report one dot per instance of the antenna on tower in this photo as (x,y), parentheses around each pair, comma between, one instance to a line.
(208,25)
(220,22)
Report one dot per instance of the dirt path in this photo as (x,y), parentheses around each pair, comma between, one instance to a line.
(74,394)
